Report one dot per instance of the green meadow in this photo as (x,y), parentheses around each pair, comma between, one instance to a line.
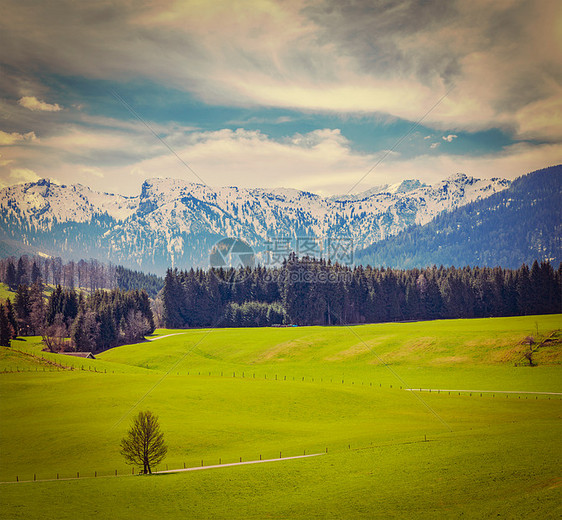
(5,292)
(227,395)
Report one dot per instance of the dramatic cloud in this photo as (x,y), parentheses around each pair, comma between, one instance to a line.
(305,161)
(321,161)
(488,62)
(511,162)
(32,103)
(297,69)
(13,137)
(18,176)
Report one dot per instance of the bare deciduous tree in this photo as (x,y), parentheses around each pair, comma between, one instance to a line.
(54,336)
(144,443)
(135,327)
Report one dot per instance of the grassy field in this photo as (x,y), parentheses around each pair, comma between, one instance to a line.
(5,293)
(228,394)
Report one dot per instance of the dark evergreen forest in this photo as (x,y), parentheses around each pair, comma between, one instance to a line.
(69,320)
(312,292)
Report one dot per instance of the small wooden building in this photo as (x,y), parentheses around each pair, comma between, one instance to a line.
(86,355)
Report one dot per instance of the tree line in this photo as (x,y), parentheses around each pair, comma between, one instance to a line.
(70,320)
(308,291)
(89,275)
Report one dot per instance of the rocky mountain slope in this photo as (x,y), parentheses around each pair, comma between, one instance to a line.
(512,227)
(174,222)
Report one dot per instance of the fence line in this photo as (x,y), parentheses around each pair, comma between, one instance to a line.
(300,379)
(206,465)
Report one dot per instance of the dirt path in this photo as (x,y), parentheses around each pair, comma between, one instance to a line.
(165,471)
(239,463)
(166,336)
(479,391)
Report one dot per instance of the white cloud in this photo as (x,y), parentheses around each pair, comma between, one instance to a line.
(96,172)
(14,138)
(250,158)
(19,176)
(5,162)
(511,162)
(543,117)
(321,161)
(32,103)
(449,138)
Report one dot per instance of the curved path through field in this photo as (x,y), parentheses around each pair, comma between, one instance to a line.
(165,471)
(239,463)
(179,334)
(166,336)
(480,391)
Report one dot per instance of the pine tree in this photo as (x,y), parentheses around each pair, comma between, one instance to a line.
(173,300)
(12,318)
(523,288)
(21,273)
(11,278)
(108,334)
(35,273)
(22,305)
(54,305)
(6,331)
(69,305)
(143,305)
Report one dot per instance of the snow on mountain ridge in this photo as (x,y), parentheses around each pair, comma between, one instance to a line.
(172,218)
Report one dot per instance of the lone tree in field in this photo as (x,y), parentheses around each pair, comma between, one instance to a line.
(144,443)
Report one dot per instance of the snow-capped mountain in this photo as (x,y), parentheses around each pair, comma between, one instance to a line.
(174,222)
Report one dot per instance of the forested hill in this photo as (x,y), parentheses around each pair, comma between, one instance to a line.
(507,229)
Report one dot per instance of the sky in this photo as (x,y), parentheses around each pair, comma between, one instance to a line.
(328,96)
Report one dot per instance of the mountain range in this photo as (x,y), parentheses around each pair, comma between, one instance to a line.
(518,225)
(176,223)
